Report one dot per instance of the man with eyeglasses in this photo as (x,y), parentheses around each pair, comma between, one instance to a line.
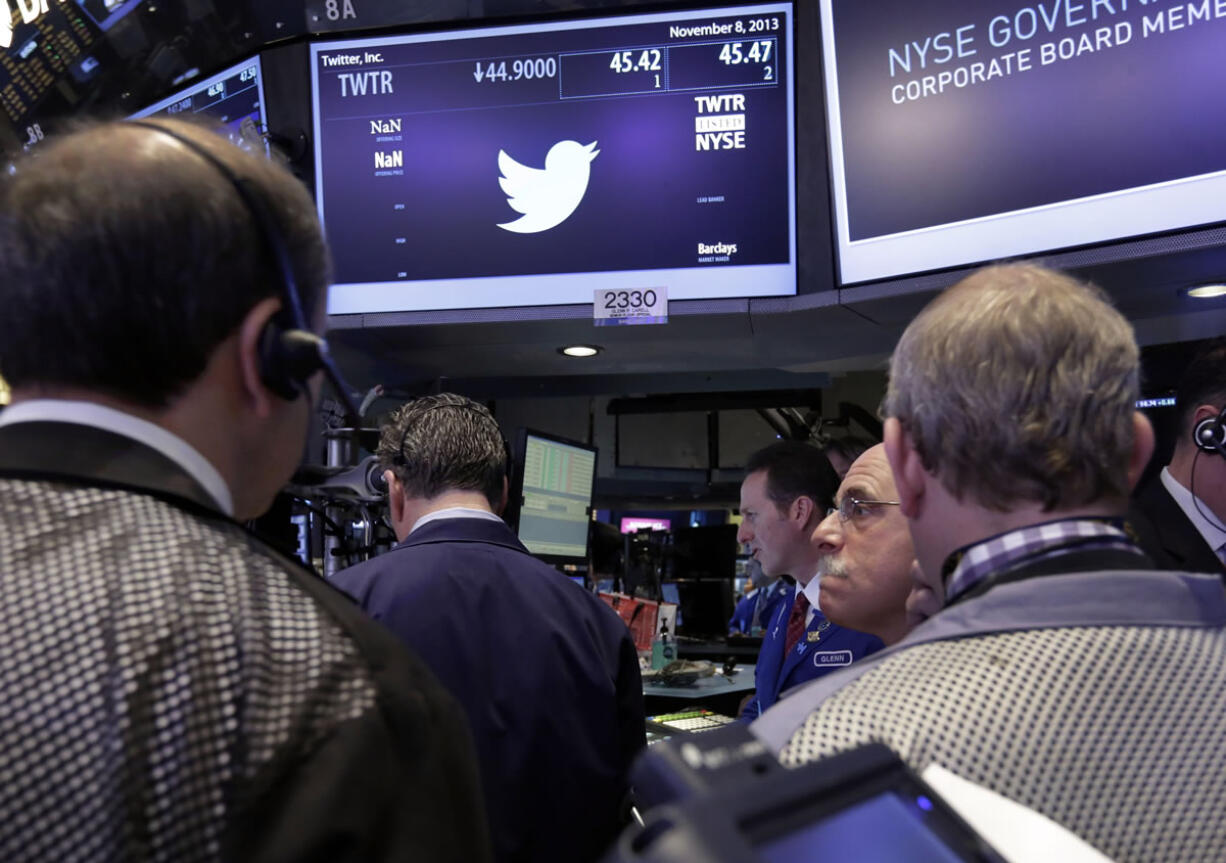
(1064,671)
(867,556)
(787,491)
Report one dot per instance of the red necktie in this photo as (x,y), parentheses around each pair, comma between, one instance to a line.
(796,622)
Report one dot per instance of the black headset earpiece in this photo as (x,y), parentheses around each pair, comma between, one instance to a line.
(289,352)
(288,357)
(1210,433)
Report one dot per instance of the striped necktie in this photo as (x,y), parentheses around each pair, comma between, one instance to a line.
(796,621)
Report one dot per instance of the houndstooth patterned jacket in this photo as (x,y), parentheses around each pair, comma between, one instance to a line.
(172,689)
(1095,698)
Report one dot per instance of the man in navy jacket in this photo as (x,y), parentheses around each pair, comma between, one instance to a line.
(1180,516)
(788,488)
(547,674)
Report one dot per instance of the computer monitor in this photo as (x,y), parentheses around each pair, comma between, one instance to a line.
(551,496)
(707,552)
(530,164)
(233,97)
(107,13)
(631,524)
(704,608)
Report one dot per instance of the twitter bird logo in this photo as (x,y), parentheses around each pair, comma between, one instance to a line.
(546,198)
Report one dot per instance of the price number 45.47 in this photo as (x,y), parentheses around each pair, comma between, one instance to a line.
(734,53)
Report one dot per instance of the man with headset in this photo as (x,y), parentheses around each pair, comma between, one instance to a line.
(1181,516)
(547,673)
(1065,671)
(173,689)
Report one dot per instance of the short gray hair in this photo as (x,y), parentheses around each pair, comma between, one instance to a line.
(444,442)
(1019,383)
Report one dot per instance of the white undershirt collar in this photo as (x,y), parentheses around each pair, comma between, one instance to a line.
(454,512)
(811,592)
(109,419)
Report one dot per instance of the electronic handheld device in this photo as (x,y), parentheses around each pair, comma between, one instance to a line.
(722,796)
(532,163)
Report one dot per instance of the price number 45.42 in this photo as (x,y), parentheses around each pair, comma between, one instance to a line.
(629,61)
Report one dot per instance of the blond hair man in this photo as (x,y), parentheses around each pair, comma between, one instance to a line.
(1064,671)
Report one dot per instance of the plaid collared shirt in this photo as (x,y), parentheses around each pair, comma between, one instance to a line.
(968,566)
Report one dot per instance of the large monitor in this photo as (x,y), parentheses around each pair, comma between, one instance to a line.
(633,524)
(233,97)
(552,494)
(531,164)
(964,131)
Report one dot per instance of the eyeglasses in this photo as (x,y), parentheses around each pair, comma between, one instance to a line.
(853,508)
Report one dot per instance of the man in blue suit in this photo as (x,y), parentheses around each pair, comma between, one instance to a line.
(547,674)
(758,607)
(788,489)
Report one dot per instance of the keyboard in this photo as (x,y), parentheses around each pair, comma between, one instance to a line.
(691,721)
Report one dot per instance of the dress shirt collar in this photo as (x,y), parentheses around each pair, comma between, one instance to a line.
(812,592)
(454,512)
(117,422)
(1214,535)
(968,566)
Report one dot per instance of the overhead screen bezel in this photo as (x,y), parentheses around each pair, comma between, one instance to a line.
(1095,222)
(163,106)
(697,281)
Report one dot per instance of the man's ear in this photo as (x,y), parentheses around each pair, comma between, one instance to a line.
(1202,413)
(801,510)
(1142,447)
(395,496)
(910,478)
(257,395)
(506,496)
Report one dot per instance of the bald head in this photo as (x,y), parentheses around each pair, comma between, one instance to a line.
(866,560)
(128,259)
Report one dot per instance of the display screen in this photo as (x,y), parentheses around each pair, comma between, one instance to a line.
(533,164)
(964,131)
(233,97)
(631,525)
(882,829)
(106,13)
(557,497)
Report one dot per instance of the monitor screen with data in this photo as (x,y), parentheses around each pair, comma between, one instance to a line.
(233,97)
(532,164)
(555,502)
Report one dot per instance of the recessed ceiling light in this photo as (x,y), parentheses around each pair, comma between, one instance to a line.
(580,350)
(1202,292)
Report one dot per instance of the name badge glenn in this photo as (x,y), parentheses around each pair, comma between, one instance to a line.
(830,658)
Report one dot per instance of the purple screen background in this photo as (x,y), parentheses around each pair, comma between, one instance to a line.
(1141,113)
(640,209)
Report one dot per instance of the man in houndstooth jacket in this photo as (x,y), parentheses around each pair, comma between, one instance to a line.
(170,687)
(1064,671)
